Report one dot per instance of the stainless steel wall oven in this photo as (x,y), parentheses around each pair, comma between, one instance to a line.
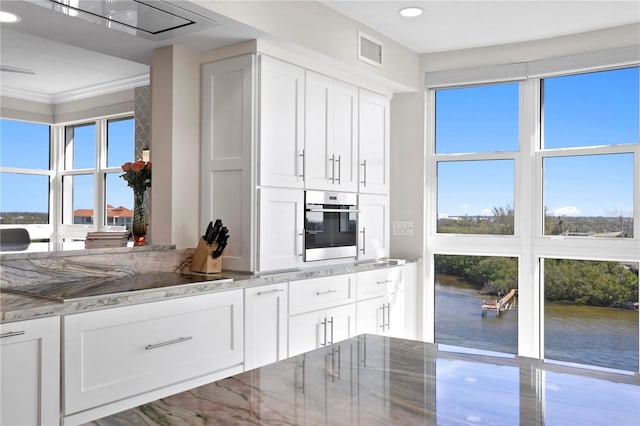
(330,225)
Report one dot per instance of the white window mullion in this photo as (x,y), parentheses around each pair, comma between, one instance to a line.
(99,184)
(55,188)
(527,219)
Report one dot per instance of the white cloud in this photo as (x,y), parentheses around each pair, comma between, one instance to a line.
(487,211)
(566,211)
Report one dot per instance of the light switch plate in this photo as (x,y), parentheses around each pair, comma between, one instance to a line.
(403,228)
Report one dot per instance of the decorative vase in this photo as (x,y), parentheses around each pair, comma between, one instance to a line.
(139,225)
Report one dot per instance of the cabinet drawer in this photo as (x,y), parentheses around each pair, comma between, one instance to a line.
(321,293)
(379,282)
(117,353)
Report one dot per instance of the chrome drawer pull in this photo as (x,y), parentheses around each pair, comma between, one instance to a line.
(170,342)
(319,293)
(11,334)
(275,290)
(384,282)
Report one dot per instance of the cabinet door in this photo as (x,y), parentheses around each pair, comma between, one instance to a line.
(369,316)
(394,315)
(307,332)
(30,379)
(319,165)
(281,228)
(374,143)
(340,323)
(374,226)
(265,325)
(345,136)
(331,134)
(281,123)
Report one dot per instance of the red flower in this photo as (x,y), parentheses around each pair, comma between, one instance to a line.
(137,166)
(137,175)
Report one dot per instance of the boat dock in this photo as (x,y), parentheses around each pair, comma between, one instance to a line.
(500,305)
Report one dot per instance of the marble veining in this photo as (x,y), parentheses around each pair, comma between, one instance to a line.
(373,380)
(99,278)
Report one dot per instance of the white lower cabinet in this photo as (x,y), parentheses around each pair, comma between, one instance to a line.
(30,379)
(322,312)
(265,339)
(114,354)
(321,328)
(381,302)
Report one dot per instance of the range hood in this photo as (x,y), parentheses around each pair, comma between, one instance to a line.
(151,19)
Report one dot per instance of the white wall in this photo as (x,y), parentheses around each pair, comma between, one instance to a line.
(323,31)
(175,146)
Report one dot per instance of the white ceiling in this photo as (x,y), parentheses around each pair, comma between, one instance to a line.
(69,54)
(456,24)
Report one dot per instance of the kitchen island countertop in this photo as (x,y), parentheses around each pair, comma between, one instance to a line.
(374,380)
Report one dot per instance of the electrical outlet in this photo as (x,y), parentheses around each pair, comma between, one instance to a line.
(403,228)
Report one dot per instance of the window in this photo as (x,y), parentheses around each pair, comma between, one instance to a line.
(25,176)
(559,205)
(71,177)
(476,140)
(476,300)
(589,315)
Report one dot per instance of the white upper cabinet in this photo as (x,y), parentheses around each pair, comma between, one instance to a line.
(281,128)
(331,139)
(281,227)
(374,143)
(374,226)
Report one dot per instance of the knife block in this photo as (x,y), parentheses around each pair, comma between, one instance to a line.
(202,260)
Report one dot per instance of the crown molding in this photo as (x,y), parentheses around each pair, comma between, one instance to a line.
(77,94)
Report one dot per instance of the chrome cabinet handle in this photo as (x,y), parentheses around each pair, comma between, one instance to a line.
(303,166)
(324,326)
(11,334)
(167,343)
(364,173)
(339,160)
(388,316)
(275,290)
(331,334)
(384,282)
(364,240)
(333,168)
(320,293)
(301,254)
(383,308)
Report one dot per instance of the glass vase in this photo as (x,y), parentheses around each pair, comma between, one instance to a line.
(139,225)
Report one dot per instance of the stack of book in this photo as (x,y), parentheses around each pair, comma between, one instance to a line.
(107,239)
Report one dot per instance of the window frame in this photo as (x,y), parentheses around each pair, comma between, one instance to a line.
(528,244)
(56,230)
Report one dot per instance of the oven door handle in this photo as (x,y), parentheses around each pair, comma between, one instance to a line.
(332,211)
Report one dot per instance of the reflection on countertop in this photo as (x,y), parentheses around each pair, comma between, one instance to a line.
(373,380)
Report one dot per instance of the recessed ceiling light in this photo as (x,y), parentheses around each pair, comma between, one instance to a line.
(410,12)
(8,18)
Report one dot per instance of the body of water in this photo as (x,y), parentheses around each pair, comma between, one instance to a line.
(604,337)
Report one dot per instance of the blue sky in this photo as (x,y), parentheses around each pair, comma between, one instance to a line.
(26,145)
(584,110)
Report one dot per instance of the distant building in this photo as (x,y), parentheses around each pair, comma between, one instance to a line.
(116,216)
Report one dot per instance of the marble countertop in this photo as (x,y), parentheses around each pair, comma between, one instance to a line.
(75,292)
(373,380)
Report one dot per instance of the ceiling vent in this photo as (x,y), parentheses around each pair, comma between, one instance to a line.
(369,50)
